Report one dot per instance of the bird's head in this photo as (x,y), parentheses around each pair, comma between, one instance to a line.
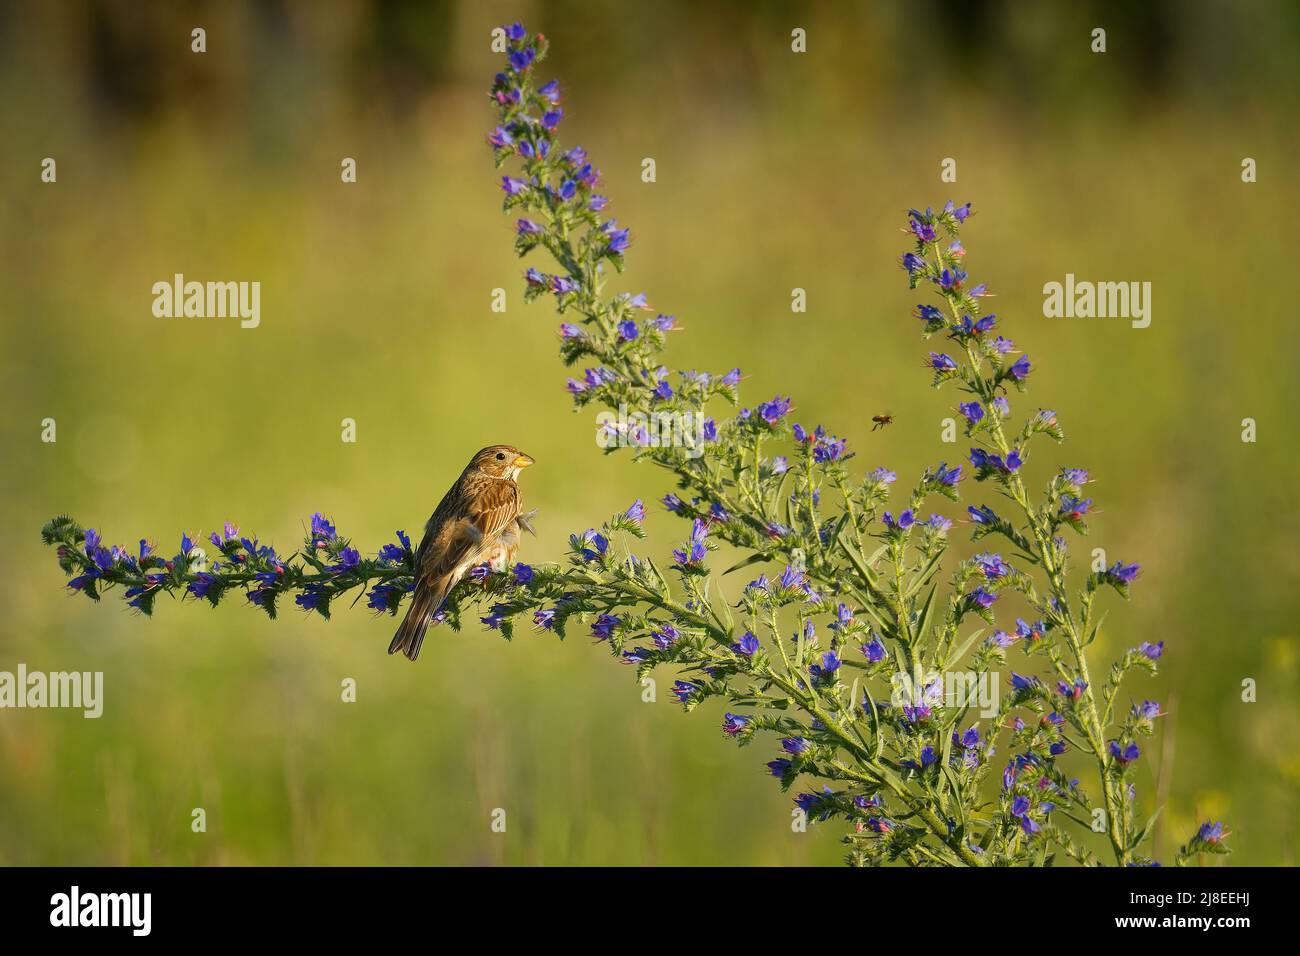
(501,461)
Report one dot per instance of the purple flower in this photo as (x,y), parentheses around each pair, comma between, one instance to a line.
(1020,682)
(635,512)
(828,450)
(947,477)
(795,745)
(982,515)
(958,212)
(923,231)
(619,240)
(521,60)
(733,724)
(349,558)
(312,599)
(1020,370)
(1147,710)
(551,118)
(393,553)
(747,646)
(523,573)
(928,757)
(773,411)
(544,618)
(1073,510)
(203,584)
(496,615)
(604,626)
(973,411)
(1210,832)
(627,330)
(830,661)
(683,690)
(1152,651)
(982,597)
(591,544)
(1030,633)
(971,328)
(992,565)
(550,91)
(1126,754)
(1123,573)
(942,363)
(809,803)
(912,263)
(951,279)
(665,636)
(778,767)
(513,187)
(229,532)
(874,651)
(696,550)
(1073,690)
(904,521)
(674,504)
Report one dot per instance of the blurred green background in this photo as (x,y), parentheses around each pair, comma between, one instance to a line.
(775,171)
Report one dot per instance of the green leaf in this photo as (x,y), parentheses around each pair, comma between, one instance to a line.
(1145,831)
(758,557)
(927,615)
(956,656)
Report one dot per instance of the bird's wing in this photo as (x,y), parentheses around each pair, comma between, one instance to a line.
(460,540)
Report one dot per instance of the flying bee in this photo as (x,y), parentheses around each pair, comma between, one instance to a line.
(881,421)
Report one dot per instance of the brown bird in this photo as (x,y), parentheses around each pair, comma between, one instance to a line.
(477,522)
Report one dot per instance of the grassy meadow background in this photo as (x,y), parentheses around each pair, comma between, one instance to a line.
(775,170)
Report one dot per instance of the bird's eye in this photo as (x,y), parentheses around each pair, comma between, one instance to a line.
(501,456)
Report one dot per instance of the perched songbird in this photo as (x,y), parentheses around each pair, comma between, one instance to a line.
(477,522)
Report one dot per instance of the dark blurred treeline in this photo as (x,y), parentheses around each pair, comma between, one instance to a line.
(125,61)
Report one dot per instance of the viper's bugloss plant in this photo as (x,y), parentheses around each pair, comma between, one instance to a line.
(840,654)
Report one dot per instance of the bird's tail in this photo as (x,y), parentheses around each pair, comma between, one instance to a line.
(425,603)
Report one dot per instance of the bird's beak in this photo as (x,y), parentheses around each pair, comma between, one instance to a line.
(523,461)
